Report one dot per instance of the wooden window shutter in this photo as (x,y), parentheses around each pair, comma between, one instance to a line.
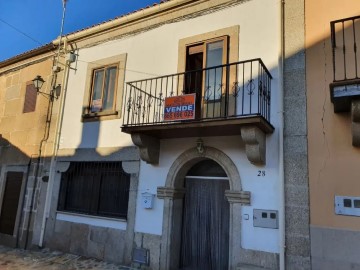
(30,98)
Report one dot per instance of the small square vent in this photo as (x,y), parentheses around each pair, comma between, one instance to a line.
(141,255)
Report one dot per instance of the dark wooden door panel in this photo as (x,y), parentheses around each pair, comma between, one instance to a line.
(10,202)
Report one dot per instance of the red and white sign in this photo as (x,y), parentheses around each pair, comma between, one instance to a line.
(179,108)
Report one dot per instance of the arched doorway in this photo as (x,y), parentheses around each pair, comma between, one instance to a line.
(173,194)
(205,219)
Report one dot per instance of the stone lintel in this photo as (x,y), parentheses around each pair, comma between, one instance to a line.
(169,192)
(355,122)
(255,144)
(149,147)
(242,197)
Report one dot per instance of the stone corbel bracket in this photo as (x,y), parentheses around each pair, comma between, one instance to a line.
(255,144)
(149,147)
(242,197)
(168,192)
(355,122)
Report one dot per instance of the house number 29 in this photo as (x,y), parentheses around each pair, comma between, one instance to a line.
(261,173)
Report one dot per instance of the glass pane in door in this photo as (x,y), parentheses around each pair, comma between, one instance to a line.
(213,77)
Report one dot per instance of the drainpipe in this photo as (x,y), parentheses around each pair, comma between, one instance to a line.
(23,202)
(33,194)
(56,146)
(52,172)
(37,168)
(281,141)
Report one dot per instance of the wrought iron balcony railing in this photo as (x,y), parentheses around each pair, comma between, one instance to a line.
(236,90)
(345,37)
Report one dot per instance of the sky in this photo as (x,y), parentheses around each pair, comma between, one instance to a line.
(28,24)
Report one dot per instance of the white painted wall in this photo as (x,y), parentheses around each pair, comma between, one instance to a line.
(155,53)
(264,190)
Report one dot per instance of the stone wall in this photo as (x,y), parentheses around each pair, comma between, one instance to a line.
(297,240)
(25,136)
(91,241)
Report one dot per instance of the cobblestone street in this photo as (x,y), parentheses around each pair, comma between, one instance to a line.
(17,259)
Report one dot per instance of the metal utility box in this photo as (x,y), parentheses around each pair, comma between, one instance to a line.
(147,200)
(347,206)
(141,255)
(266,218)
(71,57)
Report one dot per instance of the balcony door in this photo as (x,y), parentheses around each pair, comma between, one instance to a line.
(204,77)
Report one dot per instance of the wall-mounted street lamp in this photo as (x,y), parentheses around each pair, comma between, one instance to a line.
(54,93)
(38,82)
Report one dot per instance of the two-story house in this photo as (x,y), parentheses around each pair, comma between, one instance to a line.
(29,92)
(172,139)
(182,139)
(332,72)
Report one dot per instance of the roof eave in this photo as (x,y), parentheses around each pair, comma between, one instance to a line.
(138,15)
(29,54)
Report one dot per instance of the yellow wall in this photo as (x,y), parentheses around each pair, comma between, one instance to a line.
(334,164)
(22,132)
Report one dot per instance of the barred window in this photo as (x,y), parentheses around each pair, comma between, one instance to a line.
(95,188)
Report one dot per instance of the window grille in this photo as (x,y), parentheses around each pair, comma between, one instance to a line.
(95,188)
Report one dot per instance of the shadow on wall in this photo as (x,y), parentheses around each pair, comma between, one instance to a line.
(10,154)
(15,194)
(90,135)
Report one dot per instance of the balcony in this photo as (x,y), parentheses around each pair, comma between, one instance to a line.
(345,89)
(345,35)
(231,99)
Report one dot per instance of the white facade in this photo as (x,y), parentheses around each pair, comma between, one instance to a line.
(154,53)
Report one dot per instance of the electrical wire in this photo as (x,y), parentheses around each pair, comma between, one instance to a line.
(41,44)
(61,32)
(128,70)
(21,32)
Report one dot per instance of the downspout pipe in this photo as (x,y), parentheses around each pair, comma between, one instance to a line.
(282,213)
(37,167)
(23,201)
(46,136)
(33,196)
(52,172)
(57,133)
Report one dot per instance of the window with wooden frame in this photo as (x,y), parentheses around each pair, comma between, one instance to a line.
(208,55)
(103,88)
(95,188)
(201,52)
(206,75)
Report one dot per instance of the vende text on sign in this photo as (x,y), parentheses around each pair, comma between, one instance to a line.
(179,108)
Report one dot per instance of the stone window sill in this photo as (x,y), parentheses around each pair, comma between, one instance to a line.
(92,220)
(99,116)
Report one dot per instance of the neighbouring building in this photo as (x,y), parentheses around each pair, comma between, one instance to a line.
(180,138)
(332,81)
(28,120)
